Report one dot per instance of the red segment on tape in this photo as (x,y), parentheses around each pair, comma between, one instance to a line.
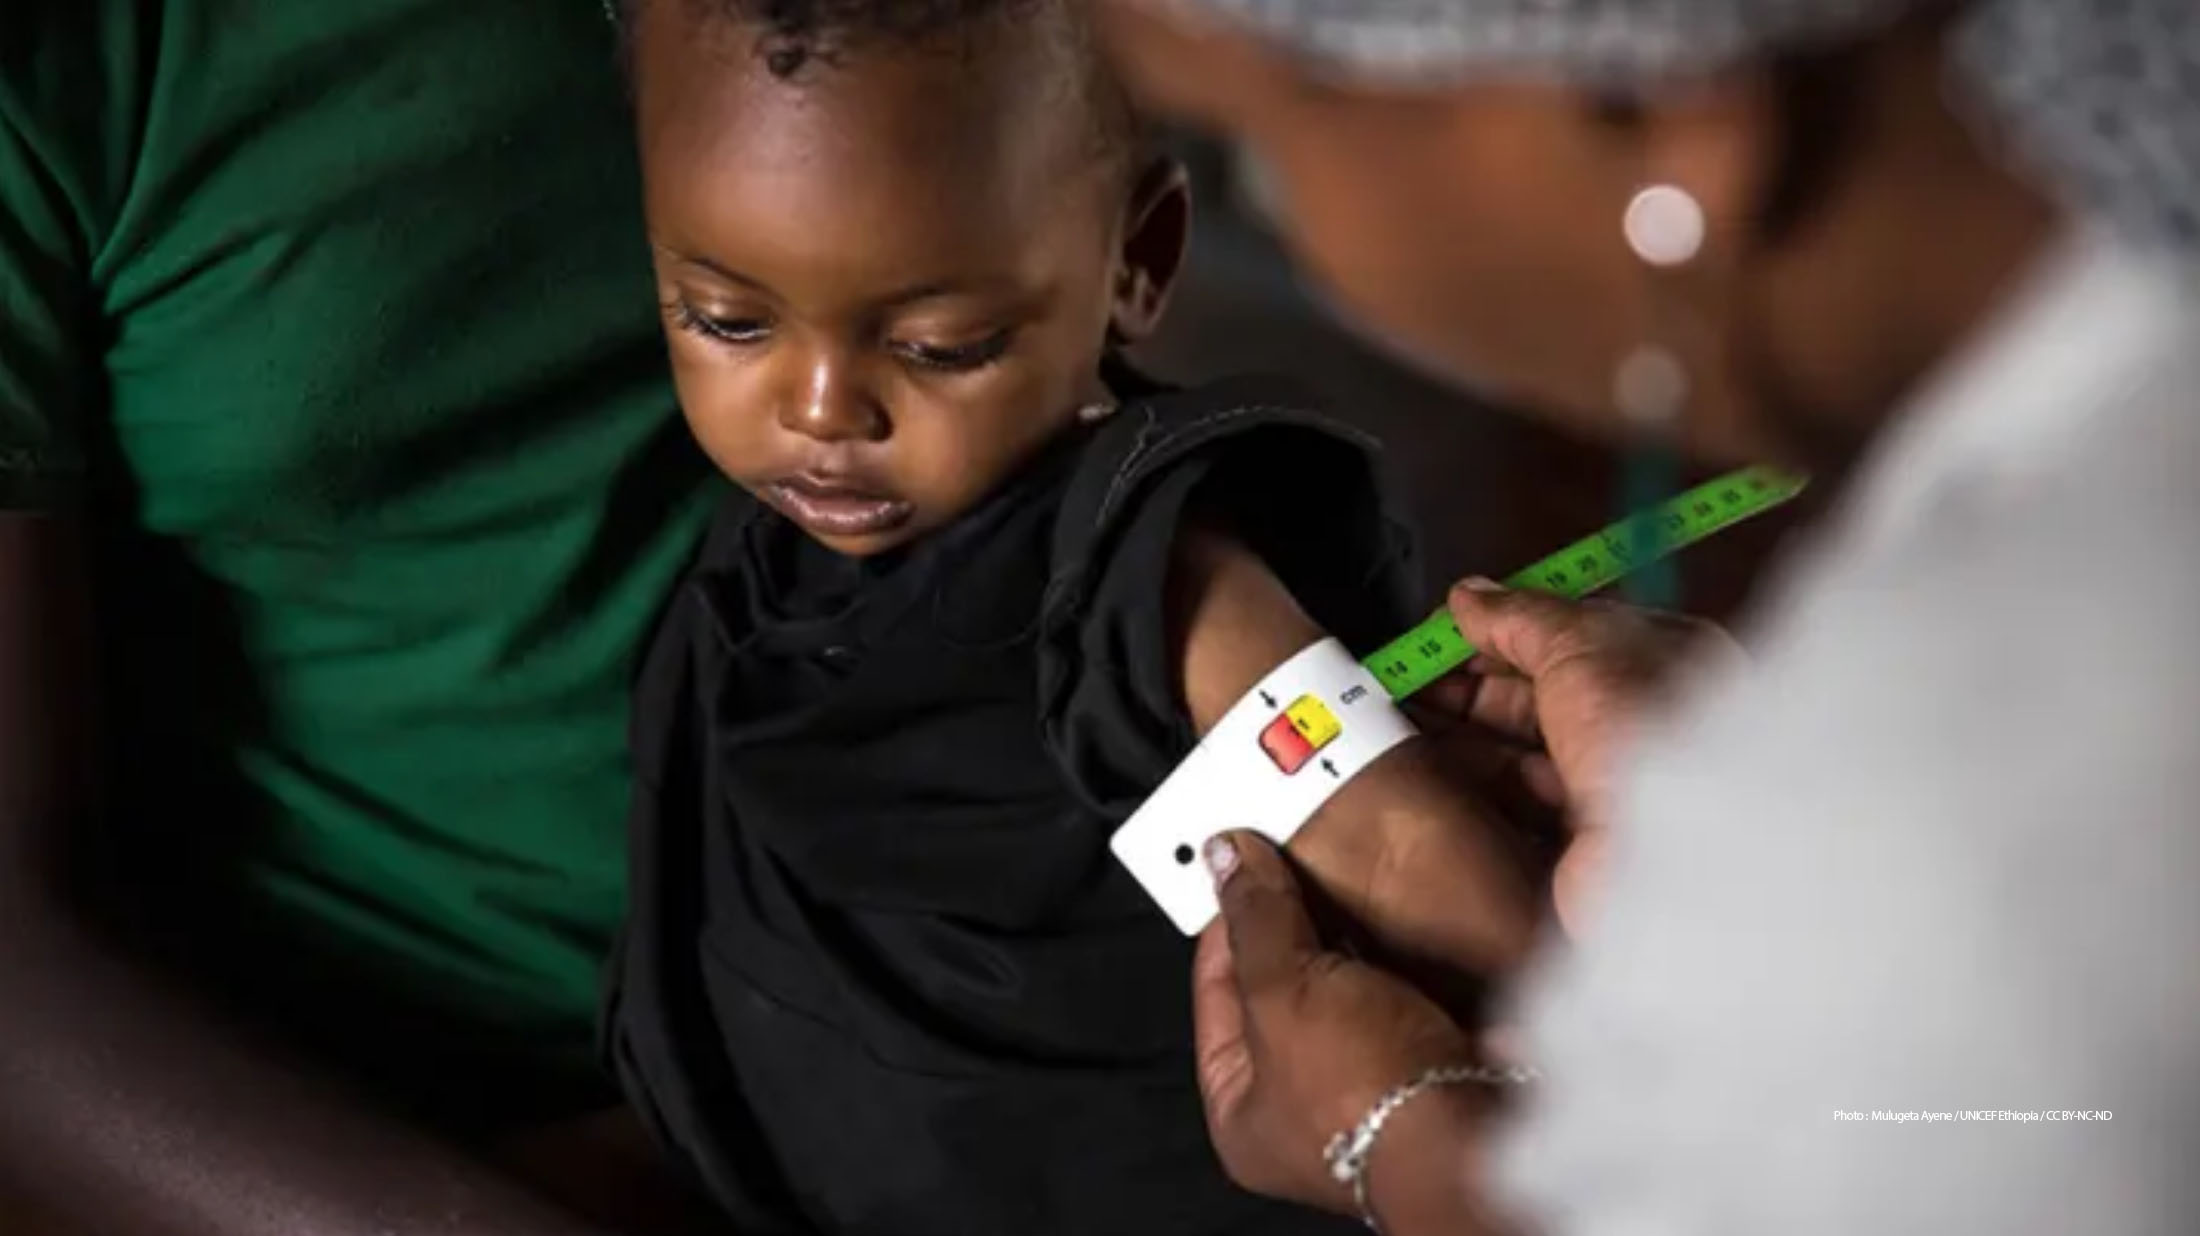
(1288,748)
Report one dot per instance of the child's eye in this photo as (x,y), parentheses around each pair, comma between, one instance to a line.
(737,331)
(961,358)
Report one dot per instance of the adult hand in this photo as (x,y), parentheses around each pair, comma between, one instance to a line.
(1570,681)
(1296,1044)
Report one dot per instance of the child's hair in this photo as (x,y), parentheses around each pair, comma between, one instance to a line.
(798,37)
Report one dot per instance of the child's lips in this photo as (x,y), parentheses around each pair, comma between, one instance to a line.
(837,506)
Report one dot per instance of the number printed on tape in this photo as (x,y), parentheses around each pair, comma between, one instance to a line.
(1435,648)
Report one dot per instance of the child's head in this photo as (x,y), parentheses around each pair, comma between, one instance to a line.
(893,239)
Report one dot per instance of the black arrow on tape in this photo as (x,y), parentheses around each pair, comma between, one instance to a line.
(1329,768)
(1268,699)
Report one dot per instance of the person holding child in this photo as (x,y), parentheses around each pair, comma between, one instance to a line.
(340,485)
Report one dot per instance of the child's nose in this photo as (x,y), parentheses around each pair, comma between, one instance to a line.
(833,404)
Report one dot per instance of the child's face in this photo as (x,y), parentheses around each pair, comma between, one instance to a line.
(889,281)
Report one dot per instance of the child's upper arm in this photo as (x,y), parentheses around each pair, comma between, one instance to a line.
(1206,536)
(1404,846)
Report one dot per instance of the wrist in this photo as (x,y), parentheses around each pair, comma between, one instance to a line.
(1421,1174)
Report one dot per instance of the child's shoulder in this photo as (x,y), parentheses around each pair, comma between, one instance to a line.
(1162,427)
(1261,458)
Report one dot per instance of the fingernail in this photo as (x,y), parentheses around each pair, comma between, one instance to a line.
(1222,858)
(1480,583)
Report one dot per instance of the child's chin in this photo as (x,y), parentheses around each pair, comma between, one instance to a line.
(865,544)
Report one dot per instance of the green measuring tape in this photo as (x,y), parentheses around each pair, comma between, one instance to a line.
(1435,648)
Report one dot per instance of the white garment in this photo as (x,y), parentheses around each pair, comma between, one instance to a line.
(1937,850)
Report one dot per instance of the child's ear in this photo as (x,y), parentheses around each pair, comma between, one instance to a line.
(1157,229)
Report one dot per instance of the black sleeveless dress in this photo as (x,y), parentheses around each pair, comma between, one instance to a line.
(881,973)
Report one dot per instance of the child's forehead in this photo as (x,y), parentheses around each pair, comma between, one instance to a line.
(992,82)
(915,119)
(878,170)
(965,47)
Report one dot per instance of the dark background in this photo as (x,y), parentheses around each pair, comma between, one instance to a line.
(1492,490)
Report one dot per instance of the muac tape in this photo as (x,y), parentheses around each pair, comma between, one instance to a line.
(1319,718)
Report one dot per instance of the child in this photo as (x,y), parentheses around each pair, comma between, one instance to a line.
(978,590)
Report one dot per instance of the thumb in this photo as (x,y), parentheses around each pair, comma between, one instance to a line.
(1529,631)
(1271,936)
(1218,1027)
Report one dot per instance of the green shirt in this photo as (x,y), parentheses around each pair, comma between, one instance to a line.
(333,319)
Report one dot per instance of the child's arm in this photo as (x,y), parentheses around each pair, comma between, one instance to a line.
(1403,848)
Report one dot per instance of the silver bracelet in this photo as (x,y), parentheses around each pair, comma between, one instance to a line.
(1347,1152)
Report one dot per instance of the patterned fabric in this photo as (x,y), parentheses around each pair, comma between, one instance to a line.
(2099,98)
(1608,40)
